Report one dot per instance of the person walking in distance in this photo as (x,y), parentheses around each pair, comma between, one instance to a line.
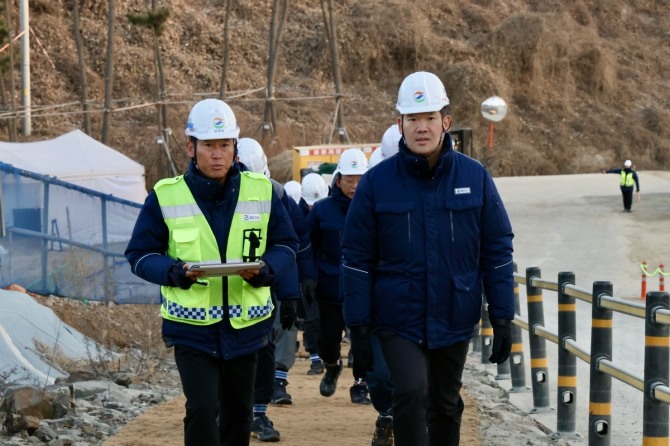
(627,179)
(426,234)
(214,213)
(326,221)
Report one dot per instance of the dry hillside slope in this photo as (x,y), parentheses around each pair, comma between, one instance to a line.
(585,80)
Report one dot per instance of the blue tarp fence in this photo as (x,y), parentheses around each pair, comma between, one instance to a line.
(63,239)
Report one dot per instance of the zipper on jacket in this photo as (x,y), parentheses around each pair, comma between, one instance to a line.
(451,220)
(409,227)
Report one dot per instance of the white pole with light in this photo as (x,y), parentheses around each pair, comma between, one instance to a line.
(493,109)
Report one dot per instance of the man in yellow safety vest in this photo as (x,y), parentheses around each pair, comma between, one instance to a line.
(214,213)
(627,179)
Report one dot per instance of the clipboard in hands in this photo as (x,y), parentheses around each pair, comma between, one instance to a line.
(225,269)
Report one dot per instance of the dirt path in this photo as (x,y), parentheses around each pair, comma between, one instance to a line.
(312,419)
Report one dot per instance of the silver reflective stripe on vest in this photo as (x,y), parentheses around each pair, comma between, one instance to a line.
(182,210)
(253,207)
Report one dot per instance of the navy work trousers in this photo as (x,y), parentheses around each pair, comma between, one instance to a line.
(426,390)
(330,336)
(216,389)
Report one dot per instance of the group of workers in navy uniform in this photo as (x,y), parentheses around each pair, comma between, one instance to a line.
(400,252)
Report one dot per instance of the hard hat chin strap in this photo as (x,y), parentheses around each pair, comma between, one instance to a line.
(194,141)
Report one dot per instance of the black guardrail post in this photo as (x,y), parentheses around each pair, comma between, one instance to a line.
(566,412)
(600,391)
(656,355)
(502,370)
(476,338)
(486,334)
(539,365)
(516,358)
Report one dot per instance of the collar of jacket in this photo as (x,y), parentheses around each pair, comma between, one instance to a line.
(207,189)
(418,165)
(338,197)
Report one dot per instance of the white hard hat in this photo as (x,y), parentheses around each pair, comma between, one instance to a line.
(390,141)
(212,119)
(314,188)
(251,154)
(352,162)
(421,92)
(294,190)
(628,163)
(376,157)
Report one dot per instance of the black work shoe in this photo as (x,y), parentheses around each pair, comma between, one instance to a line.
(262,428)
(359,394)
(329,381)
(279,393)
(383,435)
(316,368)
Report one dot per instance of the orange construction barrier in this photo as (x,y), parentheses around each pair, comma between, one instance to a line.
(661,278)
(643,290)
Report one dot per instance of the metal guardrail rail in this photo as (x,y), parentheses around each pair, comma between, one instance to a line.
(654,384)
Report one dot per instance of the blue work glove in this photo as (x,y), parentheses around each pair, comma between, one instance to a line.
(287,314)
(502,340)
(263,278)
(361,347)
(308,288)
(177,276)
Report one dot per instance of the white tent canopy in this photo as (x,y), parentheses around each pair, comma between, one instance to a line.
(79,159)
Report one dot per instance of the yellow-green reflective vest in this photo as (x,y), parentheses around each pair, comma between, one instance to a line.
(626,179)
(192,240)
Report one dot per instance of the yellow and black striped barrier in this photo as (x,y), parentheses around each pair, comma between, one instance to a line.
(656,356)
(566,412)
(517,362)
(539,364)
(600,385)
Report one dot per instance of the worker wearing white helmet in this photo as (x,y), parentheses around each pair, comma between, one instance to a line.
(390,141)
(314,188)
(628,182)
(212,123)
(326,222)
(216,324)
(350,167)
(426,234)
(275,361)
(375,158)
(251,154)
(294,190)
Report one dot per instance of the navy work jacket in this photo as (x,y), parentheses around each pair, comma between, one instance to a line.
(147,249)
(326,222)
(420,246)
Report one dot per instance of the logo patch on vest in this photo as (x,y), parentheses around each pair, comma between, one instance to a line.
(251,217)
(461,190)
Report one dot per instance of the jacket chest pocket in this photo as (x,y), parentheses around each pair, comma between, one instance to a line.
(395,228)
(463,216)
(187,243)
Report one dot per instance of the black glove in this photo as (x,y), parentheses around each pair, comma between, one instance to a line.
(177,276)
(263,278)
(502,340)
(361,347)
(287,314)
(308,288)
